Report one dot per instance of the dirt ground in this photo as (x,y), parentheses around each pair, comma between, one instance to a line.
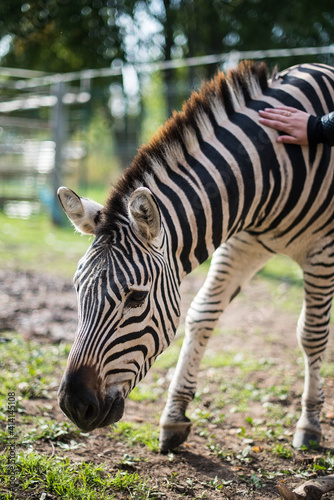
(44,307)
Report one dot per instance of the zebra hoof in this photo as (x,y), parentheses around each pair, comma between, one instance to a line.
(173,434)
(306,439)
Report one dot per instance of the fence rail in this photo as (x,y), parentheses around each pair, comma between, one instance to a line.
(35,101)
(234,56)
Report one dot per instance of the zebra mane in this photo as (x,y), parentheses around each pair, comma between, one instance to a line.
(214,103)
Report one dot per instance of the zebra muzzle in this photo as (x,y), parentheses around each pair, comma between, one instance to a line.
(80,398)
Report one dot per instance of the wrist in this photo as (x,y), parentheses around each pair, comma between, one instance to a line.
(315,131)
(327,122)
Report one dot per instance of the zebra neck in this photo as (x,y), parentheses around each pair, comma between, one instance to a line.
(201,206)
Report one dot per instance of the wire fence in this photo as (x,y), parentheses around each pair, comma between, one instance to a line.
(83,128)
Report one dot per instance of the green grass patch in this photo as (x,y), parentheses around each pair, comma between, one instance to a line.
(137,433)
(28,367)
(146,392)
(46,429)
(38,475)
(234,358)
(282,451)
(36,244)
(327,368)
(169,357)
(32,371)
(282,268)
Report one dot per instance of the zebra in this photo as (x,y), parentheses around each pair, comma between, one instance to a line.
(213,182)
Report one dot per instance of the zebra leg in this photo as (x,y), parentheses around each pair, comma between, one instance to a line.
(232,266)
(312,334)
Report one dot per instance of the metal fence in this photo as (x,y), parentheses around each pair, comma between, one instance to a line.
(83,126)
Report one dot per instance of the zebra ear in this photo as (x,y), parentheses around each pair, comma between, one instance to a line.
(144,213)
(83,213)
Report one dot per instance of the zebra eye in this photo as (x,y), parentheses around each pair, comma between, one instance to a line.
(135,298)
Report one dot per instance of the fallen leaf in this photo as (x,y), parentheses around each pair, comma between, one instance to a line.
(257,449)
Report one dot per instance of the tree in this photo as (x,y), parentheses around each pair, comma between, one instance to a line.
(188,28)
(67,35)
(64,35)
(61,35)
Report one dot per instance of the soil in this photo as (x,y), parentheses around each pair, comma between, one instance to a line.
(44,307)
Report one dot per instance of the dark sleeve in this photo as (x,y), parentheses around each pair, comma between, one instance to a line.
(328,126)
(321,129)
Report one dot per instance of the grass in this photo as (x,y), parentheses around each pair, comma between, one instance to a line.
(282,451)
(38,244)
(69,481)
(281,268)
(136,433)
(51,451)
(24,366)
(31,369)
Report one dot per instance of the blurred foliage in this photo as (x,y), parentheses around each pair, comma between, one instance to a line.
(60,35)
(153,102)
(40,245)
(64,35)
(70,35)
(101,162)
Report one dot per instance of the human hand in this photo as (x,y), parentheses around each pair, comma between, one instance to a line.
(289,120)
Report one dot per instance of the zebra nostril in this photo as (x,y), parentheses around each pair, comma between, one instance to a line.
(90,413)
(78,397)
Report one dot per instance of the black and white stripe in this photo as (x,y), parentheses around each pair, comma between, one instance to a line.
(213,181)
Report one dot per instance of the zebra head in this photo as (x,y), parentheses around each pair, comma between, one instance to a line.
(128,308)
